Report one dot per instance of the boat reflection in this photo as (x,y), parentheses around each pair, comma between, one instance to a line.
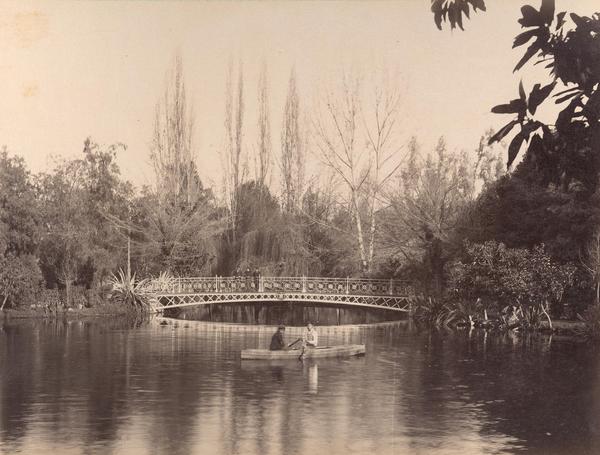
(313,378)
(285,372)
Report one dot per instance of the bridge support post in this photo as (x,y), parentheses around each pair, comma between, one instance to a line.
(347,285)
(303,284)
(391,286)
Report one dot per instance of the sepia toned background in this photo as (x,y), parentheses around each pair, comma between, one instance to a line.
(69,70)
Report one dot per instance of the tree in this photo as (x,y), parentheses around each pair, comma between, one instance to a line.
(65,241)
(174,226)
(232,158)
(20,280)
(336,128)
(341,125)
(510,276)
(264,130)
(293,150)
(19,215)
(106,197)
(380,128)
(591,262)
(172,149)
(20,228)
(566,152)
(428,206)
(180,240)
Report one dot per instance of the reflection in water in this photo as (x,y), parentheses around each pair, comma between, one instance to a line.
(108,387)
(288,313)
(313,378)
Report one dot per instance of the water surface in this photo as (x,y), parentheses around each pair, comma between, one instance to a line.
(115,387)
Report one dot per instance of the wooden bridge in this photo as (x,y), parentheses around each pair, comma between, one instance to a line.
(186,292)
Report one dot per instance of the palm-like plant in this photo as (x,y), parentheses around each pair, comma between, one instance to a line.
(164,280)
(129,291)
(433,312)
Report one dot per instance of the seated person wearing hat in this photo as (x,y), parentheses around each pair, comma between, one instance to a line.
(277,343)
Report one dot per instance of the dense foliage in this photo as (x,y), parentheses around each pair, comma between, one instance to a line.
(567,151)
(470,236)
(552,196)
(502,276)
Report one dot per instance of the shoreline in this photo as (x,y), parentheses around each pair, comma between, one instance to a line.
(105,310)
(560,326)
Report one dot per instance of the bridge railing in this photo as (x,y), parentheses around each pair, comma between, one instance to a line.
(310,285)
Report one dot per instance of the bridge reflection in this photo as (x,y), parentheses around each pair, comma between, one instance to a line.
(287,313)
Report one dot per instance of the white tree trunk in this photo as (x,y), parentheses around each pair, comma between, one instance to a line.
(359,233)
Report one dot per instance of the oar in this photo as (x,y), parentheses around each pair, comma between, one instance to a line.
(292,344)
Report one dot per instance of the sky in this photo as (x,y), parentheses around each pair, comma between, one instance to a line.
(69,70)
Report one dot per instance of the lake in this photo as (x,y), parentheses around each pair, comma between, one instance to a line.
(113,386)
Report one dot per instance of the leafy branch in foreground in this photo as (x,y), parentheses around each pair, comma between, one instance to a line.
(452,11)
(567,151)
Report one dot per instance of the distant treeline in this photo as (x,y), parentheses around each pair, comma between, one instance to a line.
(453,222)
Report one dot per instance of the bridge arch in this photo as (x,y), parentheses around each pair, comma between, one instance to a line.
(391,295)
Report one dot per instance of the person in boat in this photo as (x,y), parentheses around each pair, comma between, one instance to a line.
(277,342)
(310,337)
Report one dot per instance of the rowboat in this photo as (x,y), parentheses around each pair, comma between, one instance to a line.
(346,350)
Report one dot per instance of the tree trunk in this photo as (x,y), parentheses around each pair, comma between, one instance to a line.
(128,254)
(436,264)
(372,233)
(3,303)
(544,310)
(359,233)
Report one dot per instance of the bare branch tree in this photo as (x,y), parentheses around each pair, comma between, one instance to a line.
(172,152)
(264,129)
(292,162)
(342,124)
(380,126)
(336,128)
(233,166)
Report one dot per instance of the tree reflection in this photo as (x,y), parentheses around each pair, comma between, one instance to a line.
(181,388)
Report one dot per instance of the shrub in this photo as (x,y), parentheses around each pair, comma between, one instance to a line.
(129,291)
(502,276)
(432,311)
(20,280)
